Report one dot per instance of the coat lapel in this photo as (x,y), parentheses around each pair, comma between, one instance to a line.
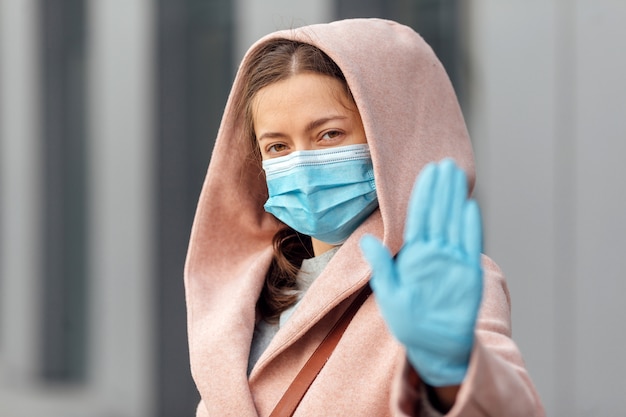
(344,275)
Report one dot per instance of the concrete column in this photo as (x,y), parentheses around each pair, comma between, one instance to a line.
(20,193)
(121,202)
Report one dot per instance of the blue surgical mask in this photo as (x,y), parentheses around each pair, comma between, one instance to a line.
(325,194)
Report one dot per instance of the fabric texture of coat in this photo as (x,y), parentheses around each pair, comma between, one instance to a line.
(411,116)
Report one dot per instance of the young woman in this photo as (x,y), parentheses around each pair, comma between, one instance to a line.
(308,197)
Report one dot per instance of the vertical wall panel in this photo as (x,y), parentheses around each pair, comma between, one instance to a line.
(565,145)
(549,123)
(512,126)
(20,193)
(194,73)
(63,139)
(121,202)
(601,207)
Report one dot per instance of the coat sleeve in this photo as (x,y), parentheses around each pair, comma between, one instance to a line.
(497,383)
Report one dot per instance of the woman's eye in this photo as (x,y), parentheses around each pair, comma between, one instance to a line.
(332,134)
(276,148)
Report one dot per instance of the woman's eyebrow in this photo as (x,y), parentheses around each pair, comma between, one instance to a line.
(309,127)
(271,135)
(319,122)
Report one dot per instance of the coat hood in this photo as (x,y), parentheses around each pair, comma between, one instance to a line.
(411,117)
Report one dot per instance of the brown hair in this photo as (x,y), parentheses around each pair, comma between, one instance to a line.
(274,61)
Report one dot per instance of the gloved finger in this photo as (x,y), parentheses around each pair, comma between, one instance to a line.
(457,204)
(419,205)
(472,230)
(439,213)
(380,260)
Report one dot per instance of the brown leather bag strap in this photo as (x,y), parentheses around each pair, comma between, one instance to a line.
(299,386)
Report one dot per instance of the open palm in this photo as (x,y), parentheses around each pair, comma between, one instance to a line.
(430,293)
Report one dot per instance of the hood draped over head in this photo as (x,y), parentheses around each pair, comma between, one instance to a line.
(411,116)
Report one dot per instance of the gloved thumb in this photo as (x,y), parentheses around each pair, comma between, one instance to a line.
(381,262)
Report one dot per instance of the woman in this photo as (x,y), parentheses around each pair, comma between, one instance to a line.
(367,99)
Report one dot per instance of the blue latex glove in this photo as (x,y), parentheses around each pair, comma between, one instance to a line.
(430,293)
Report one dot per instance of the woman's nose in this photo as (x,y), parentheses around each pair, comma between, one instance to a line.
(303,145)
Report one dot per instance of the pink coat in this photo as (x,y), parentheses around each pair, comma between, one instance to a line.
(411,116)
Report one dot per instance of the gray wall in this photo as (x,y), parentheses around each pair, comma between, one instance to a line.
(548,118)
(118,140)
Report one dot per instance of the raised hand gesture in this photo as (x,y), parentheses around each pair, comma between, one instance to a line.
(430,293)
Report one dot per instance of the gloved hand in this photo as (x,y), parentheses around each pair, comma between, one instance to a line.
(430,293)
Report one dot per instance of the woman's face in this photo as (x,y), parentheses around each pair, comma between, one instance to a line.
(304,112)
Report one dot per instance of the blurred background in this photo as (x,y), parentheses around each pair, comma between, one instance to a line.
(108,112)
